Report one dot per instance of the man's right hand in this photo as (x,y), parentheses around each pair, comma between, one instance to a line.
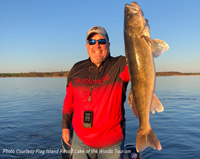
(65,136)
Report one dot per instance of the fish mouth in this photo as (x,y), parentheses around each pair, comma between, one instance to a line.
(134,7)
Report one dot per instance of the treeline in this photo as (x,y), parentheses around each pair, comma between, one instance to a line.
(175,74)
(65,74)
(36,74)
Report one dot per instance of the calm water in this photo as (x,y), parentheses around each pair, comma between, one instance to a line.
(31,116)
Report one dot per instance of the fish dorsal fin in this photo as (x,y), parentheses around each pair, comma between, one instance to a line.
(132,104)
(156,104)
(158,47)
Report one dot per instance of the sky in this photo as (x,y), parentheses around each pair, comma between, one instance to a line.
(50,35)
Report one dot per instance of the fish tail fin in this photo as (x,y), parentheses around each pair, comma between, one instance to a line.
(145,140)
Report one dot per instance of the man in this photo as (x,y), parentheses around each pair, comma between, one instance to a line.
(96,89)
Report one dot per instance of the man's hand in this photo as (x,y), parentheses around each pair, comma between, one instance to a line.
(65,136)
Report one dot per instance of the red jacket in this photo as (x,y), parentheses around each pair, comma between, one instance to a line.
(108,97)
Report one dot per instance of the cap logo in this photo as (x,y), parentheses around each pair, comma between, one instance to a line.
(95,28)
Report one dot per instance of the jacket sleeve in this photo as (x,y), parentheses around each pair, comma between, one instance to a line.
(124,74)
(68,108)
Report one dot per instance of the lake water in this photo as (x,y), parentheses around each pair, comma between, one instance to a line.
(31,117)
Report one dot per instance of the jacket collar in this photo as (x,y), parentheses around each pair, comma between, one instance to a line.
(92,64)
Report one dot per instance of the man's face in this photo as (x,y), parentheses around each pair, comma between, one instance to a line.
(98,52)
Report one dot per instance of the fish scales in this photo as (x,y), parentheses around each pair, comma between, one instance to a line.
(141,69)
(138,51)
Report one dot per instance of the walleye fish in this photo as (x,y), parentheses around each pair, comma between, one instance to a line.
(140,50)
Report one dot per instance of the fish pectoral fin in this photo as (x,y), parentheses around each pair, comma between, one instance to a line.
(158,47)
(132,104)
(156,104)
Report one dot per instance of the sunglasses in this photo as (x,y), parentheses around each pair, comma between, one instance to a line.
(100,41)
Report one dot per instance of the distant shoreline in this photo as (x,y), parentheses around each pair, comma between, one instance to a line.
(65,74)
(174,73)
